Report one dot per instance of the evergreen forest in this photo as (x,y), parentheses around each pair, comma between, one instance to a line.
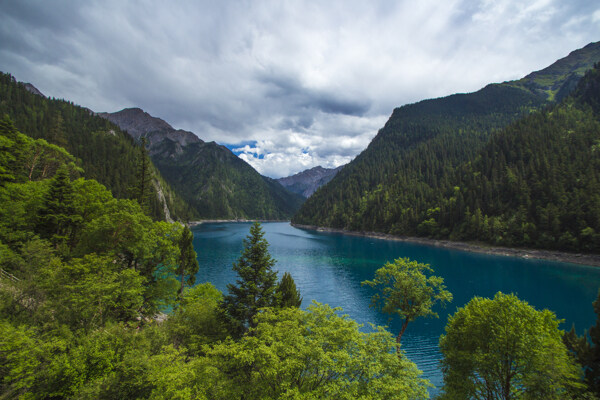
(498,166)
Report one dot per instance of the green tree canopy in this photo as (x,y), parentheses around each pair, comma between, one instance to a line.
(404,289)
(313,354)
(503,348)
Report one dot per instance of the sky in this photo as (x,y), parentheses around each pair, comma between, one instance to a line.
(287,85)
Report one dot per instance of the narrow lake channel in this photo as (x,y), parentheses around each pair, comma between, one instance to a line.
(329,268)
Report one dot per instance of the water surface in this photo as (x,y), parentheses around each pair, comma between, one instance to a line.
(329,268)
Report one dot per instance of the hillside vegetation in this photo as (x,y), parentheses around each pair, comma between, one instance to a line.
(441,167)
(105,153)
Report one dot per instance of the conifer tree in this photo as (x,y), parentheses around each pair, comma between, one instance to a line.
(57,218)
(188,263)
(255,286)
(286,293)
(586,350)
(57,131)
(12,150)
(141,192)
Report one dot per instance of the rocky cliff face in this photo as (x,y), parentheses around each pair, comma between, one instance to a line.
(307,182)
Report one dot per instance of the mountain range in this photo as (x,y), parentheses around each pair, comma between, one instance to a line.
(413,175)
(209,177)
(308,181)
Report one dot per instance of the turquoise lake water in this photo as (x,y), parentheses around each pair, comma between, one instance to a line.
(329,268)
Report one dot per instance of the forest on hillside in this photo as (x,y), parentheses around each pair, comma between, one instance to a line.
(533,183)
(101,149)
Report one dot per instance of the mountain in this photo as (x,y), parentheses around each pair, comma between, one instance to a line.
(556,81)
(308,181)
(536,183)
(139,123)
(410,166)
(215,182)
(32,89)
(104,151)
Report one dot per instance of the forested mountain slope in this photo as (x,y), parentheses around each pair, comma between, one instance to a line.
(536,183)
(409,166)
(105,153)
(215,182)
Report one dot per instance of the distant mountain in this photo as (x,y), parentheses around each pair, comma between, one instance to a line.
(308,181)
(139,123)
(397,183)
(32,89)
(215,182)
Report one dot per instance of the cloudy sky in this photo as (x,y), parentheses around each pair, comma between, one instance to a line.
(287,85)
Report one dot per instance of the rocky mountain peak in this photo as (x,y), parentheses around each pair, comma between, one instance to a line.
(308,181)
(139,123)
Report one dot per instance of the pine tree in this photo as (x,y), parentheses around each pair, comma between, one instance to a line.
(57,131)
(586,350)
(141,192)
(255,287)
(286,293)
(188,263)
(57,219)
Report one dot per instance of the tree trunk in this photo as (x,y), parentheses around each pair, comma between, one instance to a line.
(399,337)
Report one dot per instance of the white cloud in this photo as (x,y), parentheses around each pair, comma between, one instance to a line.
(309,82)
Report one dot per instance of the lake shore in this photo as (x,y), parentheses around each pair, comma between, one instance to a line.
(216,221)
(576,258)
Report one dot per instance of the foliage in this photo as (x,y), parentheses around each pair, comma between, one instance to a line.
(196,320)
(255,286)
(405,290)
(286,294)
(503,348)
(313,354)
(188,261)
(484,166)
(106,154)
(586,350)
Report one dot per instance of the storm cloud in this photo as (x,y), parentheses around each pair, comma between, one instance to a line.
(287,85)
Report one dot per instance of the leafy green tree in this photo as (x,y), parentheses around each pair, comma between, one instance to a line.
(196,321)
(188,261)
(286,293)
(405,290)
(87,293)
(313,354)
(503,348)
(256,283)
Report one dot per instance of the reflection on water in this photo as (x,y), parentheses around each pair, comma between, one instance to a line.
(329,268)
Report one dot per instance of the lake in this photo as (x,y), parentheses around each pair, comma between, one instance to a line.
(329,268)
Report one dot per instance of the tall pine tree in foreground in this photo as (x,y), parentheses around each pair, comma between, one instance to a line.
(255,286)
